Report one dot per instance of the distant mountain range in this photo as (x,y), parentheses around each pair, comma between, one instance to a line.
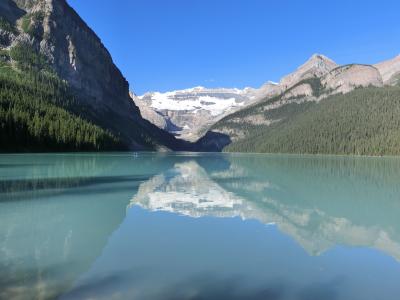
(189,113)
(285,117)
(60,91)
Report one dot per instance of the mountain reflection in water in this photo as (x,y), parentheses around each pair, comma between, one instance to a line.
(320,202)
(192,226)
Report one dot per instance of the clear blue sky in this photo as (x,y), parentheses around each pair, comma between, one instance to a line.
(172,44)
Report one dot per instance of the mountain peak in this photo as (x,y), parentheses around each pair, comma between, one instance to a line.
(319,56)
(319,59)
(317,65)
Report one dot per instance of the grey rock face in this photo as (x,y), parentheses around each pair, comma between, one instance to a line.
(344,79)
(301,90)
(150,114)
(390,71)
(6,38)
(317,66)
(78,56)
(268,90)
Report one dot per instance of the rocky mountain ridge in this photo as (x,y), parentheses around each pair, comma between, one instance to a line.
(190,113)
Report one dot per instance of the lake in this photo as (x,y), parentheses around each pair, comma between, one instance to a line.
(199,226)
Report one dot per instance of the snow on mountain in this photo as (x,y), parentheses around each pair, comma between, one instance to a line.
(214,100)
(199,98)
(190,190)
(190,112)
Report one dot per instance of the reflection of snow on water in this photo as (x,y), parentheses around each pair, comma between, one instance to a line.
(187,189)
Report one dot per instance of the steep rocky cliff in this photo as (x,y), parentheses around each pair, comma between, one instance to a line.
(55,31)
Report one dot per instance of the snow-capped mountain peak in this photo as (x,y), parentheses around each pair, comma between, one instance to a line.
(214,101)
(187,113)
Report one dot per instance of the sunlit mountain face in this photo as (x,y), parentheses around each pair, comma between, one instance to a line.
(198,226)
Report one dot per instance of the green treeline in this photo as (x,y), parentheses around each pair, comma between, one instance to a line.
(28,59)
(36,110)
(363,122)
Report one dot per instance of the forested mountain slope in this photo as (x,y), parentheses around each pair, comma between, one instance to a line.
(323,108)
(60,89)
(37,113)
(363,122)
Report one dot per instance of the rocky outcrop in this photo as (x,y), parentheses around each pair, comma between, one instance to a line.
(267,90)
(390,71)
(317,66)
(150,114)
(301,90)
(344,79)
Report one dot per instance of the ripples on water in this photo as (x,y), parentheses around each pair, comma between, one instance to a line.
(199,226)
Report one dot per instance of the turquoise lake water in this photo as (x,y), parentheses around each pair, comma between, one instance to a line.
(199,226)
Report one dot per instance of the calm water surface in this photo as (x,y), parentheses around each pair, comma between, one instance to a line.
(199,226)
